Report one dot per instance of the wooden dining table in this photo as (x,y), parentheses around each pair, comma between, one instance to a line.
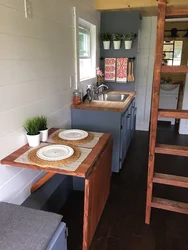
(95,169)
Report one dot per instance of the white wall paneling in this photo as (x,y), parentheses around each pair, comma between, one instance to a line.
(145,66)
(37,59)
(183,128)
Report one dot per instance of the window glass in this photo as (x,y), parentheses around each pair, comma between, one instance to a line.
(84,42)
(172,53)
(87,50)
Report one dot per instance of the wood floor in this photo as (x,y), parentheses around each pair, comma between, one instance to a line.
(122,224)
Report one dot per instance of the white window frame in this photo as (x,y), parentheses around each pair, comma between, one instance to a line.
(91,29)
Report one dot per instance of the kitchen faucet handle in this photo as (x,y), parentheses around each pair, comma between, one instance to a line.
(89,86)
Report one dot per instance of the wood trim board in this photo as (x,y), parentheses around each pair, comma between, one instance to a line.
(173,113)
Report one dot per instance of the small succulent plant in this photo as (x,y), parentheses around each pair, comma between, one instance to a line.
(105,36)
(116,37)
(32,126)
(129,36)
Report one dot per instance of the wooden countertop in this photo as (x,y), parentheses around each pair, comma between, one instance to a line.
(107,106)
(82,171)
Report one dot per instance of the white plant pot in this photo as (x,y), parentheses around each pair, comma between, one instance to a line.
(43,135)
(117,44)
(106,45)
(128,44)
(33,140)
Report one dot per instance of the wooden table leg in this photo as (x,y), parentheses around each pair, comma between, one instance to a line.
(41,182)
(97,189)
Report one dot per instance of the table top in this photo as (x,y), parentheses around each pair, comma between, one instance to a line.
(82,171)
(107,106)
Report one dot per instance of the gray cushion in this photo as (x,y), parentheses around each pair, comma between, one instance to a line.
(24,228)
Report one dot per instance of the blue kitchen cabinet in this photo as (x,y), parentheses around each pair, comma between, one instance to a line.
(120,125)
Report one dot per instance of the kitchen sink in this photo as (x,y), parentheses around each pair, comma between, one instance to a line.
(169,87)
(110,97)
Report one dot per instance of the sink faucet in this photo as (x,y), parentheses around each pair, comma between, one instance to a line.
(96,90)
(91,90)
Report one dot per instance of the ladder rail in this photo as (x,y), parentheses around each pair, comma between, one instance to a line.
(155,103)
(165,179)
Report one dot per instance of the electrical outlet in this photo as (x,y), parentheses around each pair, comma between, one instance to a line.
(72,82)
(28,8)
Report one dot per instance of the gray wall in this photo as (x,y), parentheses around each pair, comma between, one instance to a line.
(120,22)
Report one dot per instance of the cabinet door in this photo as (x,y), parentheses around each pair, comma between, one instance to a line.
(125,135)
(128,125)
(133,119)
(123,139)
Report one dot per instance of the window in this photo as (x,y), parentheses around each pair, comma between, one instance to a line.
(87,50)
(84,42)
(172,53)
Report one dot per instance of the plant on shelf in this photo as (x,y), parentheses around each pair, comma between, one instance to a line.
(43,128)
(128,39)
(33,135)
(106,38)
(116,37)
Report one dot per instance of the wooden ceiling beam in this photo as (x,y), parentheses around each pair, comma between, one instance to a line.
(103,5)
(177,12)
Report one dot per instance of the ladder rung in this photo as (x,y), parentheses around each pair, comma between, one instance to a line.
(169,205)
(171,150)
(175,69)
(173,113)
(176,12)
(173,180)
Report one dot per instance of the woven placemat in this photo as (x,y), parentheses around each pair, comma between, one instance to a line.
(34,159)
(57,139)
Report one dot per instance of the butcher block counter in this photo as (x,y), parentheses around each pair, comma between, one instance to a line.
(108,105)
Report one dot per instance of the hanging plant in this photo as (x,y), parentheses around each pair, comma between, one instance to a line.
(128,39)
(116,38)
(106,38)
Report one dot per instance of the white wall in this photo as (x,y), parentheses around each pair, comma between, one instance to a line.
(145,66)
(37,59)
(183,127)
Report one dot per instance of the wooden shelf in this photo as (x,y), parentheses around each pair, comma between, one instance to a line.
(172,180)
(176,12)
(169,205)
(174,69)
(173,113)
(171,150)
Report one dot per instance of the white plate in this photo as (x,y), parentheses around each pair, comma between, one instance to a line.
(55,152)
(73,134)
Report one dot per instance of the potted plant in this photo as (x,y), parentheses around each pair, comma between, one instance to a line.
(105,38)
(43,129)
(117,40)
(128,39)
(100,77)
(33,135)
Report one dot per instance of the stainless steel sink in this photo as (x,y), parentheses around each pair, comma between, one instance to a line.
(110,97)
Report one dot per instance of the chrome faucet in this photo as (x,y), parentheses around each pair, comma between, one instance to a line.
(96,90)
(89,92)
(92,90)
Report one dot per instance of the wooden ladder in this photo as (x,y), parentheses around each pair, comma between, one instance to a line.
(163,13)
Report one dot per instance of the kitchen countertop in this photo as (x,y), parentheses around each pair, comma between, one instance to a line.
(107,105)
